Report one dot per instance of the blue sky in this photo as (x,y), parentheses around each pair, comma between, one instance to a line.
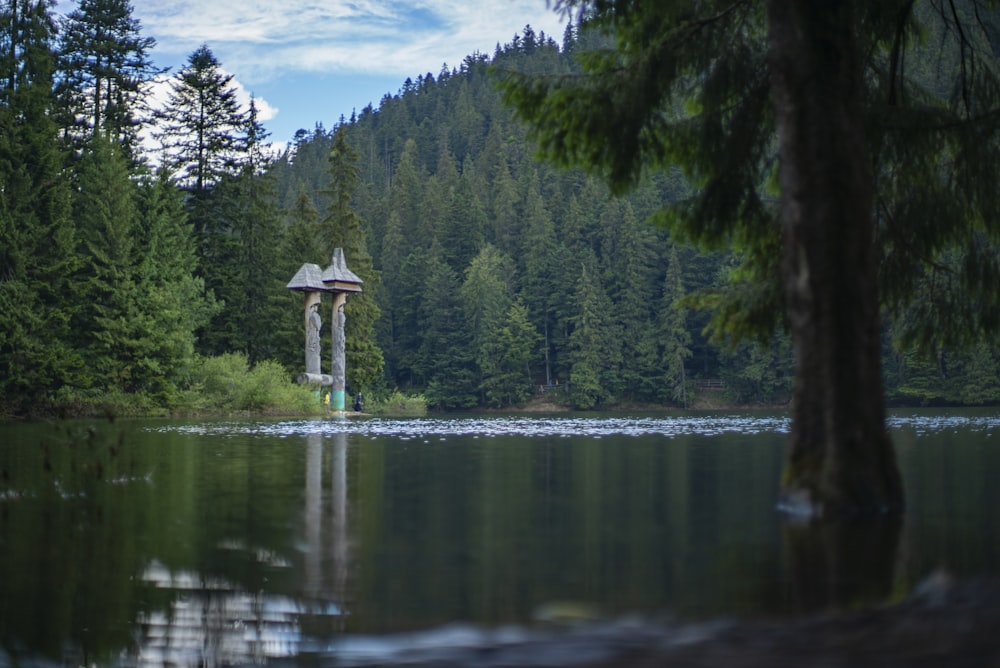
(311,61)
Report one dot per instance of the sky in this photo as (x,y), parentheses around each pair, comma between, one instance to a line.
(309,62)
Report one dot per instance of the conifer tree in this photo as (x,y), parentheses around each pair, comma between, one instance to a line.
(504,204)
(486,298)
(398,322)
(171,292)
(405,192)
(871,162)
(541,278)
(247,204)
(628,252)
(104,65)
(300,244)
(461,231)
(114,325)
(302,241)
(202,132)
(393,255)
(980,377)
(446,346)
(409,334)
(595,347)
(435,206)
(344,228)
(674,336)
(401,206)
(37,238)
(757,372)
(507,378)
(202,125)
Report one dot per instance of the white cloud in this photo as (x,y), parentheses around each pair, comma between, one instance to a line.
(158,95)
(261,39)
(321,59)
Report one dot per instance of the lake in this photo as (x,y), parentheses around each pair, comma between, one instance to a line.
(217,542)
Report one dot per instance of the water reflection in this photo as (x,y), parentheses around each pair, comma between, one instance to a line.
(567,425)
(214,621)
(337,533)
(497,426)
(843,564)
(251,541)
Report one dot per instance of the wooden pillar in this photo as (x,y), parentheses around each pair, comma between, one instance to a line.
(338,366)
(339,281)
(313,325)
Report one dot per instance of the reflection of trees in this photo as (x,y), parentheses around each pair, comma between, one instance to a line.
(213,622)
(843,564)
(217,621)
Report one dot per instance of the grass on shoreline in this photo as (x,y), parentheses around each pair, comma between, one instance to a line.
(222,386)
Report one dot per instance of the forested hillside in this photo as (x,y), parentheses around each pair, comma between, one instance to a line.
(488,275)
(501,275)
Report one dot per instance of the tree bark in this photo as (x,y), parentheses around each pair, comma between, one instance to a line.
(840,458)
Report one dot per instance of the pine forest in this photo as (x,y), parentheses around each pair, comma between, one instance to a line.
(144,253)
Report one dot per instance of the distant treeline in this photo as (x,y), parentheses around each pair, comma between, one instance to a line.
(488,275)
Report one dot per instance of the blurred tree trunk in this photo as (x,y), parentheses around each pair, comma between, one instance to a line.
(840,459)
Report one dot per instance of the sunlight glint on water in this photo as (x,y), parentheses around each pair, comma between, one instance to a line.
(683,425)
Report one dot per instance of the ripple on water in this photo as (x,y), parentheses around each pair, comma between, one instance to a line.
(430,428)
(438,428)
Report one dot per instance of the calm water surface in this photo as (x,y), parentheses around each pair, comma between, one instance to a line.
(246,541)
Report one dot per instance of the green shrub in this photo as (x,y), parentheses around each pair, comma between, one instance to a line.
(75,403)
(398,404)
(219,381)
(226,384)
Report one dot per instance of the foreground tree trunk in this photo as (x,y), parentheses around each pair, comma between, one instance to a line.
(840,458)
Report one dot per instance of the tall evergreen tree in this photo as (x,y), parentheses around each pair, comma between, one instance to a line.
(409,334)
(302,241)
(398,321)
(829,79)
(250,241)
(172,294)
(446,346)
(37,239)
(541,278)
(629,254)
(486,298)
(301,244)
(507,376)
(595,344)
(461,230)
(203,133)
(201,127)
(674,336)
(344,228)
(756,372)
(981,377)
(104,65)
(390,303)
(113,325)
(504,204)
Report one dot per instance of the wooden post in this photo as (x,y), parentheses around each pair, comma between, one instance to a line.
(309,280)
(338,366)
(339,280)
(313,324)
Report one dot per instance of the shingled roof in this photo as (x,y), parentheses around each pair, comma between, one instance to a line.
(309,278)
(337,277)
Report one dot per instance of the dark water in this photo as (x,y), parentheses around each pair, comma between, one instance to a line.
(205,543)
